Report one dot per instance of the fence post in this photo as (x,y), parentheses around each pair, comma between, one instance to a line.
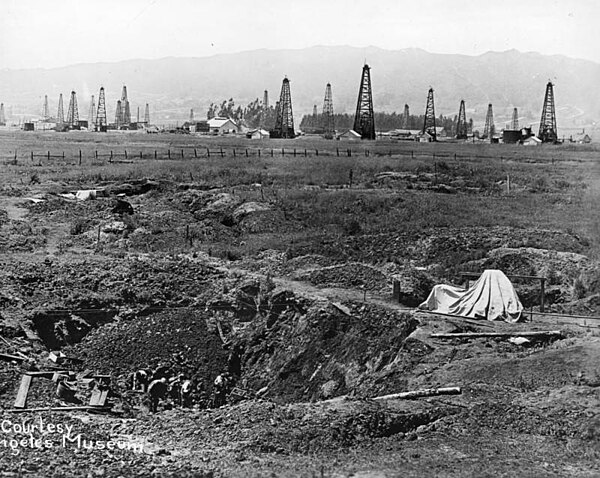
(169,153)
(48,155)
(111,156)
(259,153)
(282,152)
(221,152)
(317,152)
(63,155)
(155,154)
(79,157)
(271,152)
(234,152)
(305,152)
(96,154)
(182,154)
(246,152)
(32,156)
(349,152)
(195,153)
(412,154)
(207,153)
(140,155)
(294,152)
(125,154)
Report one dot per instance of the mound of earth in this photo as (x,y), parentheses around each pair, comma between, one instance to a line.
(352,274)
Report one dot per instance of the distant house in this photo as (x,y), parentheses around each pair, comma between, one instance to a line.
(222,126)
(531,141)
(405,134)
(582,138)
(424,137)
(350,135)
(257,134)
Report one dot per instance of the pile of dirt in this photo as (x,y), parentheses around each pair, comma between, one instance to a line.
(179,339)
(352,274)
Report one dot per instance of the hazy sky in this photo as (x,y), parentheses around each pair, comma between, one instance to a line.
(50,33)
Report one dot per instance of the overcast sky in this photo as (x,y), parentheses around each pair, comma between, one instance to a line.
(51,33)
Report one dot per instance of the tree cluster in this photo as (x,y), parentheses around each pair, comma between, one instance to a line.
(254,115)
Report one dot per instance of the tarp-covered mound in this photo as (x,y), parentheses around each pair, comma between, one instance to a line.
(491,297)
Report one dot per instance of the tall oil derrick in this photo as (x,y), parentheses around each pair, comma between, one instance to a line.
(73,111)
(60,115)
(406,118)
(101,121)
(147,114)
(462,127)
(548,132)
(328,117)
(284,121)
(125,111)
(2,116)
(92,114)
(119,115)
(266,100)
(429,122)
(138,115)
(191,115)
(514,125)
(364,119)
(45,110)
(489,130)
(315,112)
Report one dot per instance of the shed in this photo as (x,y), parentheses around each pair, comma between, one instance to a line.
(350,135)
(257,134)
(531,141)
(222,126)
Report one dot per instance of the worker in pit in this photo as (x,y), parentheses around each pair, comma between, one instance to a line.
(157,390)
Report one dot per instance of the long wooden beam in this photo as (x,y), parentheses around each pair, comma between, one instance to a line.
(516,333)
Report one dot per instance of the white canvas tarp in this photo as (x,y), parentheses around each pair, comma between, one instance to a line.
(491,297)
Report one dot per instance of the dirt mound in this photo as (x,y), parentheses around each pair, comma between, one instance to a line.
(352,274)
(179,339)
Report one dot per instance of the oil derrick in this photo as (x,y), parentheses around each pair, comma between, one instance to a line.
(406,118)
(73,111)
(284,121)
(125,111)
(489,130)
(315,113)
(101,121)
(119,115)
(147,114)
(364,119)
(266,100)
(514,125)
(45,110)
(328,118)
(2,117)
(429,123)
(92,115)
(461,127)
(191,115)
(548,132)
(60,116)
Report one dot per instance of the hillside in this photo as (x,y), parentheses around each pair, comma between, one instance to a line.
(174,85)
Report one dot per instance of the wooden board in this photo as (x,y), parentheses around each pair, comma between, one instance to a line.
(21,399)
(95,398)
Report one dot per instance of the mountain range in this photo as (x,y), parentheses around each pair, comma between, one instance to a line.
(172,86)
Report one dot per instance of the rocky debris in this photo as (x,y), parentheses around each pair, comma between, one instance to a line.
(122,207)
(351,274)
(134,187)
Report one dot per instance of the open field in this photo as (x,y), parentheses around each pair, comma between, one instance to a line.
(279,268)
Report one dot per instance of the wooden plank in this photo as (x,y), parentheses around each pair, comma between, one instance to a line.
(51,409)
(514,276)
(95,398)
(11,357)
(516,333)
(21,399)
(46,373)
(429,392)
(102,399)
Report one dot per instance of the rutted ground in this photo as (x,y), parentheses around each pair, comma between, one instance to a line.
(299,308)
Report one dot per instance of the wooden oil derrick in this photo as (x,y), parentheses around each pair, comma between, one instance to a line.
(101,121)
(60,116)
(328,117)
(462,127)
(45,110)
(73,111)
(147,114)
(548,132)
(119,115)
(429,122)
(514,124)
(92,113)
(364,119)
(284,121)
(489,130)
(406,118)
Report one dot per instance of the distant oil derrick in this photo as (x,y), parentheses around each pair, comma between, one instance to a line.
(315,112)
(514,124)
(92,114)
(60,115)
(364,119)
(73,111)
(284,121)
(119,115)
(147,114)
(45,110)
(125,111)
(462,128)
(266,100)
(489,130)
(2,116)
(429,122)
(328,117)
(548,132)
(101,121)
(191,115)
(406,118)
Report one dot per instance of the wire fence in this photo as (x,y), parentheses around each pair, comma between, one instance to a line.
(130,156)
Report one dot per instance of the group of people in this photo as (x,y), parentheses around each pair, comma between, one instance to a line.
(159,385)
